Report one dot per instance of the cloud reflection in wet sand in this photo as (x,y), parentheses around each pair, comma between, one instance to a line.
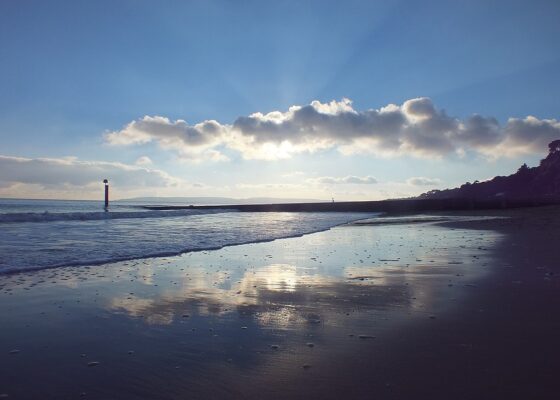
(263,310)
(300,289)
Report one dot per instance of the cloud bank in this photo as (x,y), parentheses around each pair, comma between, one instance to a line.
(196,142)
(70,172)
(423,181)
(331,180)
(415,128)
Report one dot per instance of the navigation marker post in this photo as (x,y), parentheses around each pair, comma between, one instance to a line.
(106,182)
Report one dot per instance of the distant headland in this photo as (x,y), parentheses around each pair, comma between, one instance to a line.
(526,188)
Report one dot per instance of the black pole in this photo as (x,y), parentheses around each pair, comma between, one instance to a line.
(106,182)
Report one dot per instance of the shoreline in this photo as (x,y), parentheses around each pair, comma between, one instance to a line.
(379,219)
(389,206)
(91,263)
(440,309)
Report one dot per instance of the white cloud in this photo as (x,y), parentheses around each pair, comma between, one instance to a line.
(70,177)
(416,128)
(70,172)
(143,161)
(293,174)
(423,181)
(191,142)
(270,186)
(331,180)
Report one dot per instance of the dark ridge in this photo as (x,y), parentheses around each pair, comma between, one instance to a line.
(537,183)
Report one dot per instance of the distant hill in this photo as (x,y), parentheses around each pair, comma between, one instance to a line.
(527,183)
(215,200)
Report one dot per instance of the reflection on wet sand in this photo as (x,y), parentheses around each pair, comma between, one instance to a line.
(265,289)
(277,314)
(263,293)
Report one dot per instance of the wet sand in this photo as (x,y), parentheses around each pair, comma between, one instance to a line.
(423,309)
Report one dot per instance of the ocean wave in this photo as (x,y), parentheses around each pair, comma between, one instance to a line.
(25,246)
(96,215)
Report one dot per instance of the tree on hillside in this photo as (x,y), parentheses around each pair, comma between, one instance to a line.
(554,147)
(527,182)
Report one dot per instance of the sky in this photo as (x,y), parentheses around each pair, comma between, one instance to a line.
(351,100)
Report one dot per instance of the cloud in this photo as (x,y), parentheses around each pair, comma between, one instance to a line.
(143,161)
(415,128)
(529,135)
(271,186)
(191,142)
(330,180)
(70,172)
(422,181)
(293,174)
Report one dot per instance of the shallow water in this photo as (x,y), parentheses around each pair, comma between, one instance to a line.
(43,234)
(298,317)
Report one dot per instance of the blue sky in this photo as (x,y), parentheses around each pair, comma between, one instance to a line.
(72,72)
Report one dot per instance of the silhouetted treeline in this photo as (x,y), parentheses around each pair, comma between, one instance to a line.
(527,183)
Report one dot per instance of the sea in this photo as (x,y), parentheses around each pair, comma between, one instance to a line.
(39,234)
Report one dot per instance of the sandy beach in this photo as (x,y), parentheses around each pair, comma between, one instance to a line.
(441,306)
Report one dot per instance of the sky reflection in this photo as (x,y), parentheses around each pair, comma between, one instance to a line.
(261,310)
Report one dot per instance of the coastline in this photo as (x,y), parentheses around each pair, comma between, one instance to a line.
(413,205)
(463,309)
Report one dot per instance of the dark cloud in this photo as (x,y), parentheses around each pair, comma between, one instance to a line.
(530,134)
(479,131)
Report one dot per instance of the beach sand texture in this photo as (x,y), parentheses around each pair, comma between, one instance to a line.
(446,310)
